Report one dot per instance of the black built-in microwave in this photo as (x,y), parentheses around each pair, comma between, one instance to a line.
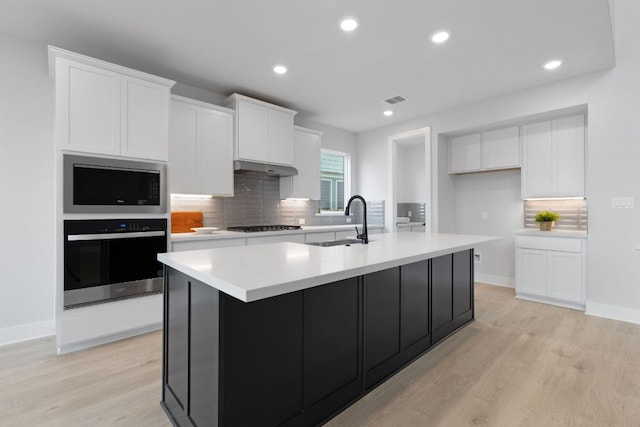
(103,185)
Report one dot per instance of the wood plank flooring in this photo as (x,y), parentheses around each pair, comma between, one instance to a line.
(519,364)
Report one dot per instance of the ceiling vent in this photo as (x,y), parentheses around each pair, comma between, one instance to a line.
(395,100)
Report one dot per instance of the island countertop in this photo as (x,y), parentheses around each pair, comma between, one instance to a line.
(251,273)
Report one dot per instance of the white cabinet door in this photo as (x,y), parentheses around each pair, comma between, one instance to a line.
(464,153)
(281,138)
(253,132)
(501,148)
(144,119)
(201,149)
(565,276)
(348,234)
(183,149)
(531,271)
(305,185)
(216,152)
(87,108)
(568,155)
(536,161)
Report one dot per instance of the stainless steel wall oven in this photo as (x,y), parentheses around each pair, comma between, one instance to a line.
(107,259)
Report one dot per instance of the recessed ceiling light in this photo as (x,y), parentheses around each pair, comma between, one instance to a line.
(348,24)
(440,36)
(552,65)
(388,113)
(280,69)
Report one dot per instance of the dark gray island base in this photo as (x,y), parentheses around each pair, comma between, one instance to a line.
(300,358)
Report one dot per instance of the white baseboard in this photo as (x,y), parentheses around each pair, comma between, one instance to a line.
(29,331)
(615,312)
(82,345)
(507,282)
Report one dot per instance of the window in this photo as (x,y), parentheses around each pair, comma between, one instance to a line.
(334,179)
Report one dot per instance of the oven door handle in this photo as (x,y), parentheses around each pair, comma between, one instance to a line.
(111,236)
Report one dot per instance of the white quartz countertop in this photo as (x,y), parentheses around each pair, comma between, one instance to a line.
(251,273)
(224,234)
(553,233)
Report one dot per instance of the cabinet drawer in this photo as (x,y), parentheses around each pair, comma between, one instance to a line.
(549,243)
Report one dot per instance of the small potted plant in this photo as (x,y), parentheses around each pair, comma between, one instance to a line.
(546,219)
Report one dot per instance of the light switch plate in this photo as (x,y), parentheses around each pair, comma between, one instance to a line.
(622,203)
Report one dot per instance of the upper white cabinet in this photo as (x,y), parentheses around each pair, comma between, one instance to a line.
(501,148)
(263,131)
(492,150)
(554,157)
(306,149)
(201,148)
(104,108)
(464,153)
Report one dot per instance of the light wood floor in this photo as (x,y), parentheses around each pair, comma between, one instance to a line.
(519,364)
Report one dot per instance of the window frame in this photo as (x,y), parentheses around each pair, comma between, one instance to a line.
(346,180)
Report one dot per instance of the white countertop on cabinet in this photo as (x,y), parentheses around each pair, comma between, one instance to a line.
(553,233)
(251,273)
(224,234)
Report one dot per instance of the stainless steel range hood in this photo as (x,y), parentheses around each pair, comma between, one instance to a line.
(269,169)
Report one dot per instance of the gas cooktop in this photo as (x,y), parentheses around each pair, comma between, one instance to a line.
(254,228)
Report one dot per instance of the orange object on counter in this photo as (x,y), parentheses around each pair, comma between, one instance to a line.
(182,222)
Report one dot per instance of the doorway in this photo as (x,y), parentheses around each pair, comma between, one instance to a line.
(410,177)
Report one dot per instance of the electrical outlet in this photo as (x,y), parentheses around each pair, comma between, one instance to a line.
(301,221)
(484,215)
(622,203)
(348,220)
(409,214)
(477,258)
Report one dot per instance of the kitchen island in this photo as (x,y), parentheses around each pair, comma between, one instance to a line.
(291,334)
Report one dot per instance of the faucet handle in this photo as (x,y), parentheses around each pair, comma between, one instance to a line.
(357,232)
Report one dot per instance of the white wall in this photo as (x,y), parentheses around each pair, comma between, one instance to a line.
(613,153)
(411,182)
(498,194)
(27,190)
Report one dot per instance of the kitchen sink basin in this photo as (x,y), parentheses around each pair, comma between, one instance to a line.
(343,242)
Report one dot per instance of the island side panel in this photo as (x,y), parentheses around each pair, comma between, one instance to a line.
(462,287)
(175,393)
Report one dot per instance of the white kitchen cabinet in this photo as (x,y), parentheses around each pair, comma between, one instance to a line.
(201,148)
(554,158)
(306,151)
(491,150)
(501,148)
(103,108)
(465,153)
(263,131)
(551,270)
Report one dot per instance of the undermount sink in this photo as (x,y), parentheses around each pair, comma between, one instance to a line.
(345,242)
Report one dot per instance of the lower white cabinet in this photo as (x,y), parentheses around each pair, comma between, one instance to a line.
(201,148)
(552,270)
(294,238)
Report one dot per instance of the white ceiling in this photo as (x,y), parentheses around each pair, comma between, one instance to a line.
(496,47)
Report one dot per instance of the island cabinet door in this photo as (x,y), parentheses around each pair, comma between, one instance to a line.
(452,292)
(332,342)
(261,360)
(382,349)
(441,296)
(415,328)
